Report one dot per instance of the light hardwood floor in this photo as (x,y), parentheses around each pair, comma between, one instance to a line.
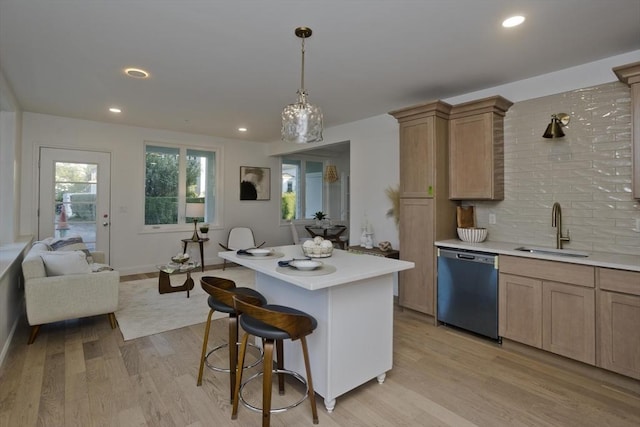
(82,373)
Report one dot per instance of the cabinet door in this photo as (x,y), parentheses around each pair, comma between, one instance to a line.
(568,321)
(619,341)
(416,286)
(417,158)
(520,309)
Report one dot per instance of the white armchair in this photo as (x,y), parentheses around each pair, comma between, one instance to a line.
(61,297)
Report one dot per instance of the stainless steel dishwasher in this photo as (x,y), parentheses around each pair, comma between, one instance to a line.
(468,290)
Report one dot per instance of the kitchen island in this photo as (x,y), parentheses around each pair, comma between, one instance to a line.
(352,299)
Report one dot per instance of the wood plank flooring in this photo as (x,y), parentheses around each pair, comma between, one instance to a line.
(82,373)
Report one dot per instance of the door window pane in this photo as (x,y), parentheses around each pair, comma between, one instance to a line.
(75,200)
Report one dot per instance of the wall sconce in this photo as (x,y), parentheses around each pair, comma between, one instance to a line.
(331,174)
(558,121)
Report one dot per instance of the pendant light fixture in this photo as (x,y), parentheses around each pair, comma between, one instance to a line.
(302,122)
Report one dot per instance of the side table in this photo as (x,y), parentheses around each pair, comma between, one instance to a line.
(164,280)
(199,242)
(393,253)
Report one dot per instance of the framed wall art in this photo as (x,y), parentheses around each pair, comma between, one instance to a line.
(255,183)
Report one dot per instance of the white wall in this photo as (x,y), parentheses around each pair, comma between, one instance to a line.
(132,250)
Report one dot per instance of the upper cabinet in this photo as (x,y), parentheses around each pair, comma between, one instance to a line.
(423,128)
(476,149)
(630,74)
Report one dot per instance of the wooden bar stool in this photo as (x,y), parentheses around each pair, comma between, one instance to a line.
(273,323)
(221,292)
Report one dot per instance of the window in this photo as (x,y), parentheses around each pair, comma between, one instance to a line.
(302,188)
(175,176)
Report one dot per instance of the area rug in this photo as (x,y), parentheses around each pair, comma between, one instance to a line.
(144,311)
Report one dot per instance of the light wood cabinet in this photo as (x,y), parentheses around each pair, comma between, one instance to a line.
(630,74)
(426,213)
(423,144)
(619,321)
(416,289)
(548,305)
(476,149)
(568,321)
(520,309)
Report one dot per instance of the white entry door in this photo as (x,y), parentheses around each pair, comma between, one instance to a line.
(74,196)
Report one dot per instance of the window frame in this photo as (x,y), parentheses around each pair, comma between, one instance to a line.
(218,185)
(301,198)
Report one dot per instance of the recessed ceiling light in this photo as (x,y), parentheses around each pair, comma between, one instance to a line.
(513,21)
(136,73)
(115,110)
(242,129)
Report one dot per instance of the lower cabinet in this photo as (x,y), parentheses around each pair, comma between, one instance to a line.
(548,305)
(619,321)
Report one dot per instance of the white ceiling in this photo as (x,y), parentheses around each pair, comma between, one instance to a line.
(219,64)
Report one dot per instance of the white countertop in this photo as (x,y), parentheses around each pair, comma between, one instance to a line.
(350,267)
(596,259)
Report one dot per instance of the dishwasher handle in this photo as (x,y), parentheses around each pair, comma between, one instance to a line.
(466,256)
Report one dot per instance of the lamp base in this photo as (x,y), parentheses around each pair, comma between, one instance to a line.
(195,236)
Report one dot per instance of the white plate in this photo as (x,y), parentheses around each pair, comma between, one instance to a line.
(305,265)
(259,252)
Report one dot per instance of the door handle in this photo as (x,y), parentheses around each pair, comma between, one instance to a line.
(105,224)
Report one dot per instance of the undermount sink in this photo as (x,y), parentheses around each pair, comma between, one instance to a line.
(551,251)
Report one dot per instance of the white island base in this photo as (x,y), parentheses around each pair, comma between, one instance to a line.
(354,339)
(353,342)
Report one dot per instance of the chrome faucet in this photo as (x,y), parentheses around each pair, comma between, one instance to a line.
(556,221)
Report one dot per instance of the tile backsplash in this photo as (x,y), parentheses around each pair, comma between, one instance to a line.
(588,172)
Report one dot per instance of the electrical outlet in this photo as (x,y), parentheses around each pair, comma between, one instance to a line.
(492,218)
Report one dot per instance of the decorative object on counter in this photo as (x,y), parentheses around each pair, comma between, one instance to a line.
(472,234)
(465,216)
(392,253)
(195,211)
(302,122)
(317,248)
(331,174)
(385,246)
(554,129)
(393,194)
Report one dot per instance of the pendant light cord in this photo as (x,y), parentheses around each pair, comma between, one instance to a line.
(302,74)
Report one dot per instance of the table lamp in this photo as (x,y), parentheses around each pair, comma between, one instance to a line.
(195,211)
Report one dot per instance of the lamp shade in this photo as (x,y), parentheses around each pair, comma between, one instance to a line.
(194,210)
(331,174)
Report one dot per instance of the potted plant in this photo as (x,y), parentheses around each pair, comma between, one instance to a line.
(320,217)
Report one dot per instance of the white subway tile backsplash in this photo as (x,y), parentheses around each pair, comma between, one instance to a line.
(588,172)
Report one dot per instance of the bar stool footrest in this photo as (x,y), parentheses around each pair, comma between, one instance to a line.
(294,374)
(227,370)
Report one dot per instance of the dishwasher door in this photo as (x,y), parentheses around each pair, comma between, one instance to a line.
(468,291)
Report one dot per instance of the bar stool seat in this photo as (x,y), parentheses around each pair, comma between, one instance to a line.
(273,323)
(221,292)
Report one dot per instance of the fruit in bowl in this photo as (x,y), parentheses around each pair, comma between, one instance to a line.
(317,248)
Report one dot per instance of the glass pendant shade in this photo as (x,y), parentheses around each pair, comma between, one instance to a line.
(301,122)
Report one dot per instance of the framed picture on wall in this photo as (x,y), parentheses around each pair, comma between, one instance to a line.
(255,183)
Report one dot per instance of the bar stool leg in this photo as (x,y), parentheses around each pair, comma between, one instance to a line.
(239,370)
(267,369)
(205,341)
(280,365)
(233,353)
(307,365)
